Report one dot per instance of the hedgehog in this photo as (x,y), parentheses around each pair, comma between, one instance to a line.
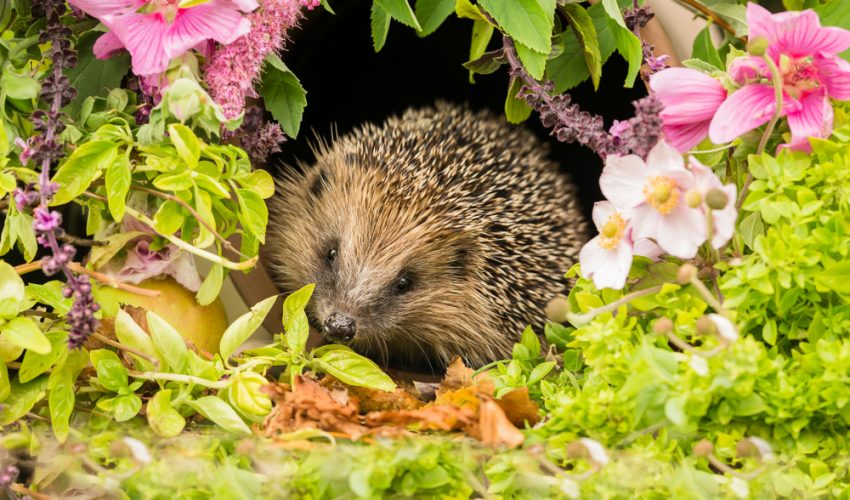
(441,233)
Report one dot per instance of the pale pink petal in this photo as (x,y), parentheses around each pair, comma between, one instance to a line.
(216,19)
(645,220)
(799,34)
(648,248)
(622,180)
(835,74)
(687,95)
(143,36)
(99,8)
(814,119)
(748,69)
(246,5)
(607,268)
(682,231)
(685,137)
(107,45)
(602,210)
(760,22)
(744,110)
(664,158)
(724,220)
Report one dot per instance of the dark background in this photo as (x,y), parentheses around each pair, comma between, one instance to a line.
(347,83)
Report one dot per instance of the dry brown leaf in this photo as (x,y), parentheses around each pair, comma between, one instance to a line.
(457,375)
(438,418)
(495,428)
(519,408)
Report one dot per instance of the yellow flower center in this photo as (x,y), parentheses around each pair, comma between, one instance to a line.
(612,232)
(799,75)
(661,193)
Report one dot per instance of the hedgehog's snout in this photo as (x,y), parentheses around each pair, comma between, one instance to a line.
(339,328)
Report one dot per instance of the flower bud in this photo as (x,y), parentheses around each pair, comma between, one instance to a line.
(662,326)
(716,199)
(705,326)
(703,448)
(686,273)
(245,393)
(754,447)
(589,449)
(693,198)
(757,46)
(557,309)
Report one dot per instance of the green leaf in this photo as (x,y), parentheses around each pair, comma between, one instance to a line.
(530,341)
(23,332)
(432,13)
(284,96)
(528,22)
(835,277)
(295,319)
(540,371)
(253,213)
(114,243)
(628,44)
(50,294)
(11,284)
(516,110)
(118,179)
(533,61)
(179,181)
(111,374)
(82,167)
(162,417)
(62,396)
(240,330)
(585,31)
(169,217)
(5,383)
(22,398)
(18,86)
(221,413)
(258,181)
(570,67)
(92,76)
(354,369)
(482,32)
(168,342)
(380,21)
(187,144)
(467,10)
(750,227)
(835,13)
(34,364)
(125,407)
(400,11)
(211,286)
(132,335)
(705,50)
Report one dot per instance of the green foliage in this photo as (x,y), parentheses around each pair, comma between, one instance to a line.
(283,94)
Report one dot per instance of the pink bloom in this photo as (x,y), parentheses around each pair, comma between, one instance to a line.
(723,220)
(143,263)
(156,31)
(654,193)
(233,70)
(812,74)
(690,99)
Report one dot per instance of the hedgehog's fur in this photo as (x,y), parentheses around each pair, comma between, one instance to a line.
(465,205)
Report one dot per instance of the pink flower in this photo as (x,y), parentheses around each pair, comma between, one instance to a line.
(607,258)
(812,74)
(709,188)
(690,99)
(156,31)
(654,193)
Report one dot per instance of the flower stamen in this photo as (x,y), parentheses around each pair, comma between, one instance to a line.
(661,194)
(612,232)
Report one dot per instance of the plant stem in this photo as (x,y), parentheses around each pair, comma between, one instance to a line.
(708,297)
(613,306)
(215,259)
(110,281)
(715,18)
(176,377)
(118,345)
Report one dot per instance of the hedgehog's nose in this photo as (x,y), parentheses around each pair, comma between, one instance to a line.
(339,328)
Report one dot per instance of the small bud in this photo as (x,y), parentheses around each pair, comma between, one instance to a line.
(716,199)
(705,326)
(557,309)
(693,198)
(662,326)
(756,448)
(703,448)
(686,273)
(757,46)
(589,449)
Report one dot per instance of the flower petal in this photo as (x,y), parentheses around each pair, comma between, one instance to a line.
(645,220)
(143,36)
(760,22)
(246,5)
(216,19)
(744,110)
(685,137)
(622,180)
(107,45)
(813,119)
(601,211)
(799,34)
(682,231)
(835,74)
(724,219)
(607,268)
(648,248)
(664,158)
(99,8)
(688,95)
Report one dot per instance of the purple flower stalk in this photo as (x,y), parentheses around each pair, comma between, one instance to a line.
(258,137)
(636,18)
(45,149)
(233,69)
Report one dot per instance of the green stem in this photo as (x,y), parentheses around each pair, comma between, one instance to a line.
(589,315)
(176,377)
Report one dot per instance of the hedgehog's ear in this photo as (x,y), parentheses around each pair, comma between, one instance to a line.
(464,246)
(319,182)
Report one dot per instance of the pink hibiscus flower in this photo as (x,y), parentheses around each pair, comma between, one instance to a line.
(812,74)
(654,193)
(690,99)
(607,258)
(156,31)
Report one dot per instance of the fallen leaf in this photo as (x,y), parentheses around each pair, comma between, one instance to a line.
(495,428)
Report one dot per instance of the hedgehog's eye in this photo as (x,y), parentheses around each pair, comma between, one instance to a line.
(403,284)
(332,254)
